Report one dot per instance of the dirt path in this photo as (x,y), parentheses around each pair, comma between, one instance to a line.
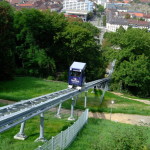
(6,101)
(139,100)
(123,118)
(117,117)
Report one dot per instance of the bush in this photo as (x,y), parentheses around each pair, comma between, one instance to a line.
(62,76)
(50,78)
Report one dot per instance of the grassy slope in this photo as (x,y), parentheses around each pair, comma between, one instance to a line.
(52,127)
(28,87)
(25,88)
(122,105)
(107,135)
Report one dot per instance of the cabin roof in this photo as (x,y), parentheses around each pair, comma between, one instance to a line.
(78,65)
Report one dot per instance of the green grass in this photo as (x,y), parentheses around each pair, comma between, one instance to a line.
(22,88)
(134,97)
(32,128)
(2,104)
(122,105)
(107,135)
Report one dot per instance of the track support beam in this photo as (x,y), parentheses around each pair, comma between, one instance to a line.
(41,137)
(72,110)
(21,135)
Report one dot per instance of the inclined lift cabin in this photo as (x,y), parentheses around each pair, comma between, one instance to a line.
(77,75)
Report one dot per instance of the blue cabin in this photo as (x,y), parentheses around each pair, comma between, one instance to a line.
(77,75)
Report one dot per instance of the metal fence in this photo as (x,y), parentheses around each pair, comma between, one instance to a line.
(66,137)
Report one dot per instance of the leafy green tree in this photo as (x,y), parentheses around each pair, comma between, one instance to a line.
(90,15)
(78,44)
(7,42)
(127,16)
(132,66)
(35,36)
(48,43)
(100,8)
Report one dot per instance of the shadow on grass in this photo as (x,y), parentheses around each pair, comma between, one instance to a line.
(27,87)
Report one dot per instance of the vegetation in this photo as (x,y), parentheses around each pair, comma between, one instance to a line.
(130,48)
(28,87)
(112,136)
(52,126)
(6,41)
(124,136)
(22,88)
(121,105)
(46,43)
(104,20)
(98,10)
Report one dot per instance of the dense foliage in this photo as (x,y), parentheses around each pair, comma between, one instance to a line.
(6,41)
(46,43)
(131,49)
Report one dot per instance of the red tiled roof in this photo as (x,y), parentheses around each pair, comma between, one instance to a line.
(74,16)
(25,5)
(146,16)
(126,1)
(138,22)
(137,14)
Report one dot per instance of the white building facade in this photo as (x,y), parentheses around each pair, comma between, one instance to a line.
(102,2)
(80,8)
(113,27)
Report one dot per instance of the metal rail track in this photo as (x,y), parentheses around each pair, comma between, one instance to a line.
(13,114)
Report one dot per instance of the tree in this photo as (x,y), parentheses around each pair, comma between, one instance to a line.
(127,16)
(35,36)
(7,42)
(48,43)
(132,66)
(104,20)
(78,44)
(90,15)
(100,8)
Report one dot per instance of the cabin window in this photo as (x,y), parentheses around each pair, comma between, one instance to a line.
(75,74)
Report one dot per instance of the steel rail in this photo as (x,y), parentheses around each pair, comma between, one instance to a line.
(16,113)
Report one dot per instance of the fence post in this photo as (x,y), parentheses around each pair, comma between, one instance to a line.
(68,133)
(52,143)
(61,140)
(87,114)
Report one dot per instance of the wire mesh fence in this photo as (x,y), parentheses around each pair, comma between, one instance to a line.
(66,137)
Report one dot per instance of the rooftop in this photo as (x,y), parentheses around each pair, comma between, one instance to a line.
(78,65)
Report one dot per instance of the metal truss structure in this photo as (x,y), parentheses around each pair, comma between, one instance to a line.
(19,112)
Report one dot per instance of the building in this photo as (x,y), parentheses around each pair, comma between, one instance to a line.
(115,23)
(77,7)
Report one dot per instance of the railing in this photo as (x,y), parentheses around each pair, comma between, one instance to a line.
(65,138)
